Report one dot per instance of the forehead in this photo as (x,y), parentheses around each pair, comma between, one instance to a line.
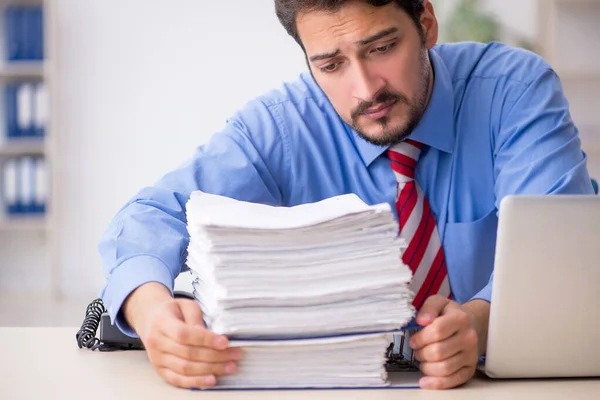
(347,25)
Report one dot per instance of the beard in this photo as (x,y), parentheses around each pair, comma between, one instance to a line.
(391,135)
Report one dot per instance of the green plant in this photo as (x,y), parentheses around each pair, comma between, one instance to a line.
(468,22)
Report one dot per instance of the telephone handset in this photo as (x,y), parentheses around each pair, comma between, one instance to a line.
(110,337)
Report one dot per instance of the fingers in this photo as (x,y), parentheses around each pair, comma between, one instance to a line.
(170,321)
(449,366)
(194,368)
(182,351)
(438,383)
(194,353)
(453,321)
(432,308)
(449,363)
(192,313)
(190,335)
(443,350)
(187,382)
(191,367)
(446,346)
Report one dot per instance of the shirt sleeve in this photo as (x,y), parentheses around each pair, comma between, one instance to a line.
(537,147)
(147,239)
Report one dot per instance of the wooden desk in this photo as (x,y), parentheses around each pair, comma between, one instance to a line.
(45,363)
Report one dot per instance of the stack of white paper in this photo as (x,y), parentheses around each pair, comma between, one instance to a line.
(340,361)
(317,270)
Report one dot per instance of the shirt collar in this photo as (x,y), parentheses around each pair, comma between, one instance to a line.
(436,128)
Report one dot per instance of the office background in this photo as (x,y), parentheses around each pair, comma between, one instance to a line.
(133,87)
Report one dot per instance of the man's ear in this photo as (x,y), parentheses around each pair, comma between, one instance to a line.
(429,24)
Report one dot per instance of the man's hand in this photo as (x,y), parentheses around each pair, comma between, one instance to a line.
(181,350)
(447,346)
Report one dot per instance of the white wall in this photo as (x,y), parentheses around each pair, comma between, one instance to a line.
(518,17)
(23,263)
(142,84)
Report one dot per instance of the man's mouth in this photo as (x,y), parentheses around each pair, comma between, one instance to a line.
(380,111)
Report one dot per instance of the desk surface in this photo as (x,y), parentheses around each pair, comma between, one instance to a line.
(39,363)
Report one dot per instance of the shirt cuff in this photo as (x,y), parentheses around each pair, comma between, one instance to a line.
(127,277)
(484,294)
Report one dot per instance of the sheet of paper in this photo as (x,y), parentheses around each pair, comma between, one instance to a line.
(208,209)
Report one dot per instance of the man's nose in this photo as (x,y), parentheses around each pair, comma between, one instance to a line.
(367,85)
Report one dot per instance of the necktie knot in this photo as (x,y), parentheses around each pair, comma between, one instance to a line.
(403,158)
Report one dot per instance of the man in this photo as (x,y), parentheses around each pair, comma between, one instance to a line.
(381,101)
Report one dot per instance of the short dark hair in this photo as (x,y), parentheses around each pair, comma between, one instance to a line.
(287,10)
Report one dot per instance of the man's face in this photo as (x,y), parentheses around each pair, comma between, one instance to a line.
(372,64)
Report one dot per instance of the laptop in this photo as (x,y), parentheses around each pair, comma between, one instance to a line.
(545,310)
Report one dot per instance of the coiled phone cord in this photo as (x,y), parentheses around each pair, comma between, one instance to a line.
(86,336)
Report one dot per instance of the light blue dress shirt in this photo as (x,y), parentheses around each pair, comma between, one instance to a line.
(497,124)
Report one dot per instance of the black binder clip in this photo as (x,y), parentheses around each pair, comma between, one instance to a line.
(402,360)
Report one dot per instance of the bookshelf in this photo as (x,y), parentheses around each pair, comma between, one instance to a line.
(28,230)
(22,65)
(569,39)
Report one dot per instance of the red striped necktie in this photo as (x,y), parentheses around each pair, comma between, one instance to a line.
(424,255)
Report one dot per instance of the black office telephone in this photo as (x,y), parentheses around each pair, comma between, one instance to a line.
(110,338)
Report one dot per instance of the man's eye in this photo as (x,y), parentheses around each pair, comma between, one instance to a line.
(383,49)
(330,67)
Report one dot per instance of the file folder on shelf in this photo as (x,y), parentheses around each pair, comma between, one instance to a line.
(10,186)
(26,109)
(10,105)
(41,186)
(26,182)
(38,26)
(25,101)
(12,25)
(40,110)
(24,32)
(24,190)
